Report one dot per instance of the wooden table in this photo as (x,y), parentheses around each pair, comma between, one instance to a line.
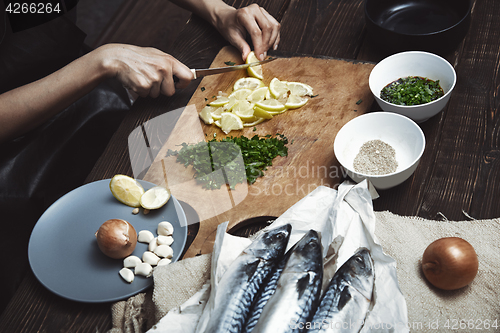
(457,177)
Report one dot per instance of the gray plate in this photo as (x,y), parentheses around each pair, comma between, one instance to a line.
(64,255)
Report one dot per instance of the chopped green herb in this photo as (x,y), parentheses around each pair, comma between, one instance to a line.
(254,128)
(230,63)
(206,99)
(412,90)
(314,96)
(227,155)
(202,88)
(359,102)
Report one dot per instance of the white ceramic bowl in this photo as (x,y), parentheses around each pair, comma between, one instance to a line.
(413,63)
(403,134)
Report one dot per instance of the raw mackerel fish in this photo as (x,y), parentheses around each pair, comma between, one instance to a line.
(242,280)
(265,294)
(299,289)
(347,298)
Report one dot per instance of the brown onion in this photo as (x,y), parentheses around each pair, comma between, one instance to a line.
(450,263)
(116,238)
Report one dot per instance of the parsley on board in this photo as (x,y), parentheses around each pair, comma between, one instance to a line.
(230,63)
(239,159)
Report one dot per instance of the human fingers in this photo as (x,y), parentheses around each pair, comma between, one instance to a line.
(262,28)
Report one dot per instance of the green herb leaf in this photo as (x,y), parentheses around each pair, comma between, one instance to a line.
(230,63)
(359,102)
(239,159)
(202,88)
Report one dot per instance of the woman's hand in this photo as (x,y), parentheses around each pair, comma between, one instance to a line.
(144,70)
(263,28)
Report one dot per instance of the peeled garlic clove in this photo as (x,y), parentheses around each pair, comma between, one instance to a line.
(165,240)
(144,269)
(164,261)
(145,236)
(150,258)
(164,251)
(165,228)
(127,275)
(131,261)
(152,245)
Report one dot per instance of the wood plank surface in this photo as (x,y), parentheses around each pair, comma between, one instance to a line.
(338,85)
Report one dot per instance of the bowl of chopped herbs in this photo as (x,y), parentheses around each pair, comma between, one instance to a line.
(415,84)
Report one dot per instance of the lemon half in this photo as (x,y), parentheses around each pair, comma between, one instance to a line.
(127,190)
(155,197)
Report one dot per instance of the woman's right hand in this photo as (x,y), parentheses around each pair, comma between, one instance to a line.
(144,70)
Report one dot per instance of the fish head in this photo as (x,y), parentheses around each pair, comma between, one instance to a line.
(306,255)
(271,244)
(361,271)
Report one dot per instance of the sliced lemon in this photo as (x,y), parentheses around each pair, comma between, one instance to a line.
(271,105)
(206,114)
(216,114)
(253,123)
(300,89)
(240,94)
(255,71)
(127,190)
(295,101)
(243,109)
(155,197)
(258,94)
(261,113)
(230,121)
(278,88)
(248,82)
(220,101)
(227,107)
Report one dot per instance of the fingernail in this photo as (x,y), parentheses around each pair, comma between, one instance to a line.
(275,47)
(263,56)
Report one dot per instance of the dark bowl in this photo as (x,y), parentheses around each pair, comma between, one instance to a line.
(436,26)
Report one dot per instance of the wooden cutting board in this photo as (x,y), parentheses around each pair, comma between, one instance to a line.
(341,93)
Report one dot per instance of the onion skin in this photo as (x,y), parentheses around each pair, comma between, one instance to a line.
(450,263)
(116,238)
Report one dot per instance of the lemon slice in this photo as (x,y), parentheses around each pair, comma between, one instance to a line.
(216,114)
(127,190)
(261,113)
(300,89)
(258,94)
(155,197)
(278,88)
(271,105)
(255,71)
(295,101)
(220,101)
(256,122)
(230,121)
(243,109)
(206,114)
(248,82)
(240,94)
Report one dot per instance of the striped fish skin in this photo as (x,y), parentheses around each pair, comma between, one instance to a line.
(265,294)
(346,301)
(242,280)
(298,292)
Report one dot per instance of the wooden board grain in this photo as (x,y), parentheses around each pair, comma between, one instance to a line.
(342,93)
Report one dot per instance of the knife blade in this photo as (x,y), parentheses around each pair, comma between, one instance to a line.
(211,71)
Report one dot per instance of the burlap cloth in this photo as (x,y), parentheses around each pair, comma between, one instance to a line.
(472,308)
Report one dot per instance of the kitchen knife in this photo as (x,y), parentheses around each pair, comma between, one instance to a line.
(211,71)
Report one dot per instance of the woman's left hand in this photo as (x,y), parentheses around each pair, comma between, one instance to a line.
(262,27)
